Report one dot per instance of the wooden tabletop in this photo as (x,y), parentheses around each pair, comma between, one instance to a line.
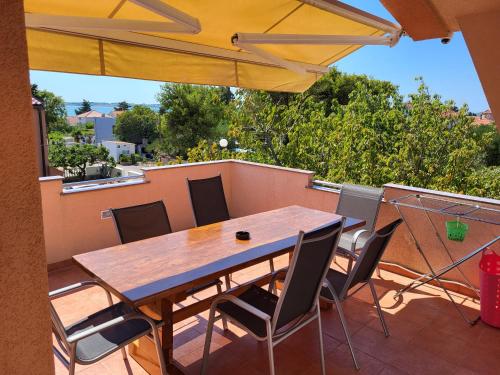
(141,271)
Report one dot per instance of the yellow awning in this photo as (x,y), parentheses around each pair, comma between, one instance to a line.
(276,45)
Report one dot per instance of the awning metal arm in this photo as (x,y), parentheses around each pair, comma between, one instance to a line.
(253,38)
(180,22)
(352,13)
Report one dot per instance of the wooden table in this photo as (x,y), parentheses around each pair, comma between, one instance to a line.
(160,270)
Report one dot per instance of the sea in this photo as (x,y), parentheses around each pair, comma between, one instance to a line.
(102,107)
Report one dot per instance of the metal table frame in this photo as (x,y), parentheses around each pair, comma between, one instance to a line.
(460,210)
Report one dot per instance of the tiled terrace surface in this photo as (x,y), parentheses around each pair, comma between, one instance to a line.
(427,336)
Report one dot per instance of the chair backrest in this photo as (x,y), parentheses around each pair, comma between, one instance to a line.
(360,202)
(140,222)
(311,260)
(370,256)
(208,200)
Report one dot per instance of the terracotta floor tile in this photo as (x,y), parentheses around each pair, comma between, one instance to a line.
(427,335)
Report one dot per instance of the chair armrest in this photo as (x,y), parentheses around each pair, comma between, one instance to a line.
(275,275)
(355,238)
(73,287)
(110,323)
(238,302)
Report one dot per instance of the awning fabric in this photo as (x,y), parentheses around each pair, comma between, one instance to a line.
(192,41)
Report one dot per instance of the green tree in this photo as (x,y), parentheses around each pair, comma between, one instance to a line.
(493,148)
(190,114)
(484,182)
(78,157)
(371,137)
(205,151)
(83,132)
(85,107)
(55,109)
(137,124)
(438,148)
(122,106)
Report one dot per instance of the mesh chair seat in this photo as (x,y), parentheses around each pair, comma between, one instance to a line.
(257,297)
(109,340)
(337,280)
(347,238)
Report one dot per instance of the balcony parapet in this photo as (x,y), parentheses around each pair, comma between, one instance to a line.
(76,223)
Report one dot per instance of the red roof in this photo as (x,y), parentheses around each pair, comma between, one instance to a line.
(481,121)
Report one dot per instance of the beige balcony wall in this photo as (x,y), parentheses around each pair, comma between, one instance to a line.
(73,224)
(259,187)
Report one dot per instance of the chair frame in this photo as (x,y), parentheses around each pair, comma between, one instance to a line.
(274,337)
(351,253)
(227,278)
(68,343)
(343,295)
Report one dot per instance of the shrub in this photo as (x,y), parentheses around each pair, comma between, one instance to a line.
(124,158)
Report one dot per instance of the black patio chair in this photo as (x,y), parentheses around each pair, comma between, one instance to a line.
(360,202)
(209,205)
(148,220)
(338,284)
(270,318)
(143,221)
(102,333)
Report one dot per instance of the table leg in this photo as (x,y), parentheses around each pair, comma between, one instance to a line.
(167,336)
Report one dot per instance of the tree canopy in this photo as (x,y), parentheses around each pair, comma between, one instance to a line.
(55,109)
(137,124)
(190,114)
(350,128)
(122,106)
(85,107)
(78,157)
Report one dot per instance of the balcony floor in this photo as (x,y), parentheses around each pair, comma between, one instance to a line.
(427,335)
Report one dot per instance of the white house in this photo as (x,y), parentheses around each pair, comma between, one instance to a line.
(116,148)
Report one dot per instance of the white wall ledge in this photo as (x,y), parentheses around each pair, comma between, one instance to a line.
(444,194)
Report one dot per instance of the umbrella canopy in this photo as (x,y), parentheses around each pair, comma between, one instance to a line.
(278,45)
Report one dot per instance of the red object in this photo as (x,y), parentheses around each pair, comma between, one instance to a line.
(490,287)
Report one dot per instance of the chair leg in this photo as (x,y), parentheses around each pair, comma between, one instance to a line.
(124,354)
(271,265)
(208,340)
(159,352)
(270,350)
(224,320)
(349,266)
(338,303)
(321,345)
(72,363)
(379,309)
(228,282)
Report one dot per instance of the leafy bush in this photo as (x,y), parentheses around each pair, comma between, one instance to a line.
(125,158)
(484,182)
(135,158)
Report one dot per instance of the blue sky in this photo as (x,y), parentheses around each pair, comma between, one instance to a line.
(447,69)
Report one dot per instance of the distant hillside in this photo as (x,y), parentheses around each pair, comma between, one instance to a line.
(102,107)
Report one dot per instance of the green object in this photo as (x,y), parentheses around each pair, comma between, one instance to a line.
(456,230)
